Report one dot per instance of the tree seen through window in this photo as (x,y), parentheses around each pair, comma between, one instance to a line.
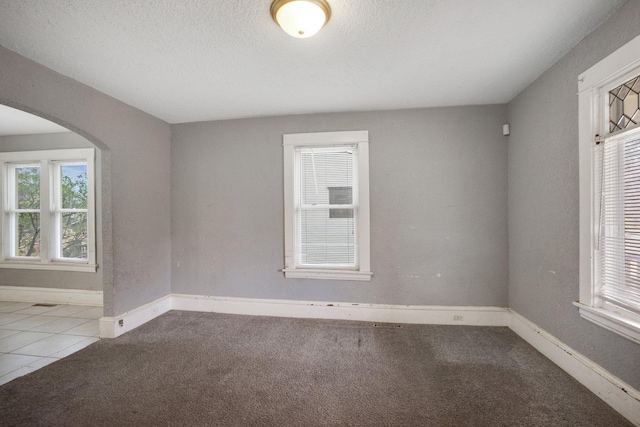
(73,210)
(74,194)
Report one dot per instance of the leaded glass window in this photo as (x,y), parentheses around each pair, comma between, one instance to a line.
(624,106)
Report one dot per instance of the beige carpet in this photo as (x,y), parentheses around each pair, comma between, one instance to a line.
(191,369)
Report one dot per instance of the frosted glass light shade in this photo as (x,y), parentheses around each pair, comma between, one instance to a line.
(301,18)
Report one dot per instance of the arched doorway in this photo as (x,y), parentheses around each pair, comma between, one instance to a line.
(45,312)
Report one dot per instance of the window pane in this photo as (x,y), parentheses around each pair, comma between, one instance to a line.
(326,240)
(28,187)
(327,236)
(340,196)
(74,235)
(74,183)
(619,236)
(28,234)
(624,105)
(322,169)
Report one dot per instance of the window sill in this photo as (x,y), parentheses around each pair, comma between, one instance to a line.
(621,325)
(307,273)
(59,266)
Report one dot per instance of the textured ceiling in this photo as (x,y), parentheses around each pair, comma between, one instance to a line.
(194,60)
(16,122)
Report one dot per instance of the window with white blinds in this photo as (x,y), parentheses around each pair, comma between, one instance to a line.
(326,239)
(327,205)
(609,161)
(617,252)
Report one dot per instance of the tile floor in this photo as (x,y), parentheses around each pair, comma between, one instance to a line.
(33,336)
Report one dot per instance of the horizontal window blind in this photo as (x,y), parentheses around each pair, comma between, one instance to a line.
(325,207)
(617,164)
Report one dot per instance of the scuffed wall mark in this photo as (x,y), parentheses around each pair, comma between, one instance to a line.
(542,264)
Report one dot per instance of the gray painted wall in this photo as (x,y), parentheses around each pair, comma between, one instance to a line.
(543,201)
(438,207)
(54,279)
(43,141)
(135,189)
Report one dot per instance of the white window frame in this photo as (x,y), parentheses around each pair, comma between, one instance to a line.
(50,211)
(594,85)
(359,139)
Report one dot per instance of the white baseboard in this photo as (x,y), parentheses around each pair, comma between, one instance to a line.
(619,395)
(50,295)
(112,327)
(417,314)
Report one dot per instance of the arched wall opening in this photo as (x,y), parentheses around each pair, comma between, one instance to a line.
(103,191)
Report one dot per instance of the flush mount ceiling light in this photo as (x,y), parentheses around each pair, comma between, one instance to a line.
(301,18)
